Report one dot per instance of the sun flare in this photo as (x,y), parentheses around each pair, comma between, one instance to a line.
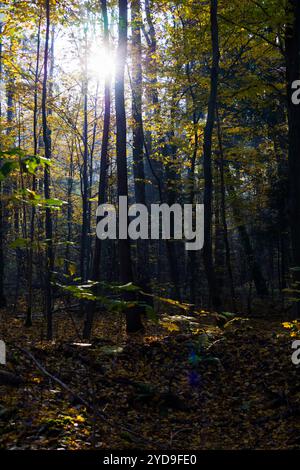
(101,63)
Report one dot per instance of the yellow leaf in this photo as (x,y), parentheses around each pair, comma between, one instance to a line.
(72,269)
(170,326)
(80,419)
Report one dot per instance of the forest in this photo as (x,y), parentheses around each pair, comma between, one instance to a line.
(183,333)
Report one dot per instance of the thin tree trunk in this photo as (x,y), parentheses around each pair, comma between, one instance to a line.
(91,177)
(102,190)
(218,244)
(133,318)
(2,296)
(70,206)
(138,141)
(85,179)
(172,183)
(192,257)
(28,321)
(47,145)
(10,108)
(207,161)
(156,166)
(138,154)
(11,143)
(223,214)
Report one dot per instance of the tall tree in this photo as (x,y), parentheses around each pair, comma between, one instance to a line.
(151,69)
(223,213)
(85,176)
(137,90)
(28,321)
(2,296)
(138,137)
(192,257)
(133,318)
(47,191)
(207,158)
(102,189)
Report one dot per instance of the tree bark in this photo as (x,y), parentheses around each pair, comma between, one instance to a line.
(138,139)
(70,205)
(85,179)
(47,192)
(155,166)
(192,256)
(102,190)
(207,160)
(2,295)
(224,216)
(133,318)
(28,321)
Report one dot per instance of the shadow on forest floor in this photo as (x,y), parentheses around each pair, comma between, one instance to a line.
(179,387)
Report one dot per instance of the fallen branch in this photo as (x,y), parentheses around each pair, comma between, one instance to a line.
(104,417)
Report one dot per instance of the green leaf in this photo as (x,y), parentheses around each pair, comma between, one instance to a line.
(20,243)
(7,168)
(54,202)
(150,312)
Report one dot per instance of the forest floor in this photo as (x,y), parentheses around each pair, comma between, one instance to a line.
(186,384)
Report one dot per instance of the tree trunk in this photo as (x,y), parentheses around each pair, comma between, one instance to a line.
(70,206)
(223,214)
(85,179)
(102,190)
(155,166)
(138,139)
(207,161)
(133,319)
(28,321)
(192,256)
(47,145)
(172,186)
(2,296)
